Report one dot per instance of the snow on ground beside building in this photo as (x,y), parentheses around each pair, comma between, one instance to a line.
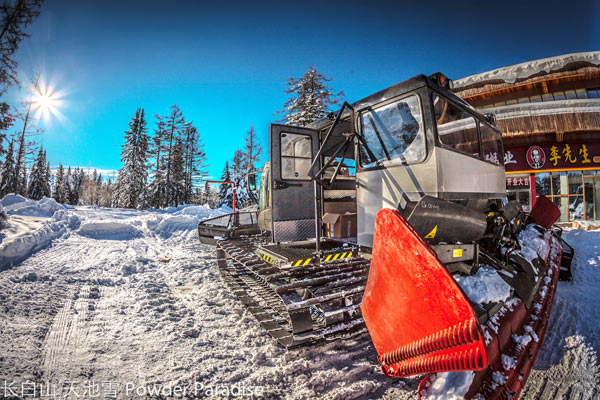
(96,309)
(568,365)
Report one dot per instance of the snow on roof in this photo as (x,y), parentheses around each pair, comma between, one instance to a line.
(545,108)
(520,72)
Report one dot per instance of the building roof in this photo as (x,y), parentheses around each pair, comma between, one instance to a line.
(521,72)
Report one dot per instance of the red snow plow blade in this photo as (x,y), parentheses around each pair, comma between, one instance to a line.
(418,318)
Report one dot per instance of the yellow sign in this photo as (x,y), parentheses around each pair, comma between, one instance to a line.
(431,234)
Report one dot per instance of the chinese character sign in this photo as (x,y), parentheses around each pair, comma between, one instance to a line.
(537,158)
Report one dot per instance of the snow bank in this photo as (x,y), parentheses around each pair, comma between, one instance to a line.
(16,249)
(11,199)
(109,231)
(449,386)
(185,218)
(486,286)
(19,205)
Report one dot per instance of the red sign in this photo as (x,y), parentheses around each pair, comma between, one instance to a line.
(552,156)
(520,182)
(536,157)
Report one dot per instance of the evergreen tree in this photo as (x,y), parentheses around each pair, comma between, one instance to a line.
(15,16)
(177,185)
(174,124)
(253,150)
(238,176)
(156,192)
(225,191)
(195,162)
(134,173)
(60,186)
(7,174)
(37,180)
(310,98)
(47,178)
(70,197)
(252,154)
(6,121)
(164,189)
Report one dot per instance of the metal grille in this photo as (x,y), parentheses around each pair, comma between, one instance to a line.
(300,229)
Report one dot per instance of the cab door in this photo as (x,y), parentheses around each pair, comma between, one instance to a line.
(293,196)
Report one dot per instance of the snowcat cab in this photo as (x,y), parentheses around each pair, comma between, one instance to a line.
(392,212)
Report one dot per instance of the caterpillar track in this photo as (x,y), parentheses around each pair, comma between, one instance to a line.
(300,306)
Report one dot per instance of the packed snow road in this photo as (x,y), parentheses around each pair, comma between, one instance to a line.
(128,304)
(91,314)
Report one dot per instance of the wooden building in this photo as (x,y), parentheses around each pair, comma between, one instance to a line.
(549,113)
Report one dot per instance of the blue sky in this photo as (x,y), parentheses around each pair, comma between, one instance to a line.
(226,63)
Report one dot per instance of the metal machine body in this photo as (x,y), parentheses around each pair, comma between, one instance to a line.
(428,191)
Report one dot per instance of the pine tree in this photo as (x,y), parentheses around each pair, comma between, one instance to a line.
(47,178)
(253,150)
(174,124)
(99,185)
(252,154)
(310,98)
(7,174)
(238,176)
(60,186)
(225,191)
(70,197)
(14,18)
(195,161)
(177,185)
(6,121)
(37,180)
(134,173)
(156,188)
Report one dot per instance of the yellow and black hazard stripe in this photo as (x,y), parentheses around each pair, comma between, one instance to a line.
(267,258)
(330,257)
(337,256)
(299,263)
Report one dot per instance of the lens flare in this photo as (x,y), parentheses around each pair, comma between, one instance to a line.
(46,102)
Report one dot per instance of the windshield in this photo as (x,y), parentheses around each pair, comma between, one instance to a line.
(393,132)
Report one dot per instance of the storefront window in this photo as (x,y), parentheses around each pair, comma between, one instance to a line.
(576,208)
(575,185)
(589,197)
(559,183)
(542,184)
(576,193)
(563,204)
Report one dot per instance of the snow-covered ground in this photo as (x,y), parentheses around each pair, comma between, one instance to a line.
(96,313)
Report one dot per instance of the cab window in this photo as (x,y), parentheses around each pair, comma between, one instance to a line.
(393,132)
(296,156)
(492,144)
(456,127)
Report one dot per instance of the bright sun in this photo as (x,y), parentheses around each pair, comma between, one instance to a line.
(46,102)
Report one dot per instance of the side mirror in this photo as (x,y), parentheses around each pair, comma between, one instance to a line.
(252,182)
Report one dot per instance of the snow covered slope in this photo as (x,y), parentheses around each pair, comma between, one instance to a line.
(99,307)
